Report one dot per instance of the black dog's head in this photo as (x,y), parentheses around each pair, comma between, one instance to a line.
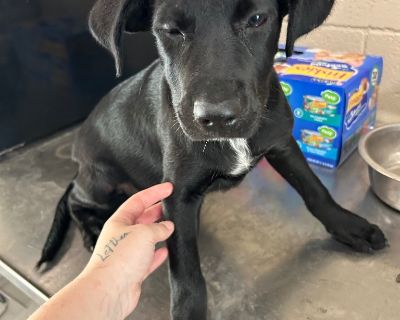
(217,54)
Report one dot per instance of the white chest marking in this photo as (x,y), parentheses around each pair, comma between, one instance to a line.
(244,159)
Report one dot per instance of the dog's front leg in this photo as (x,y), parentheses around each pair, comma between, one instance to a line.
(345,226)
(188,288)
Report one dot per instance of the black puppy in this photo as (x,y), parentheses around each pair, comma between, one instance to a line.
(200,117)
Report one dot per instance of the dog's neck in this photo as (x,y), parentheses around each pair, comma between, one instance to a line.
(244,158)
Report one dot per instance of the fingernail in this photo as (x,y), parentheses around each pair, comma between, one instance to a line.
(168,224)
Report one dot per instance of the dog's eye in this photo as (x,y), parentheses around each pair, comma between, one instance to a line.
(257,20)
(172,32)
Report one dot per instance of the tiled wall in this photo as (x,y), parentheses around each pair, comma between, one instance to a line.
(371,27)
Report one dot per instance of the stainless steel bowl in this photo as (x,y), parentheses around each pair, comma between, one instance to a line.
(380,148)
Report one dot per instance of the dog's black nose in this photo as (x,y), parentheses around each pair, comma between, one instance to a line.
(216,115)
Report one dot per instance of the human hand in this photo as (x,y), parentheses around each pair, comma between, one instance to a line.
(125,253)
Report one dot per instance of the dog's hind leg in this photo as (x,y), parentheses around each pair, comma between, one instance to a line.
(93,199)
(89,200)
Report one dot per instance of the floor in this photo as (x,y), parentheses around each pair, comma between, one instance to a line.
(263,255)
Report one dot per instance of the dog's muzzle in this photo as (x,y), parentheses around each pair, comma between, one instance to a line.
(218,120)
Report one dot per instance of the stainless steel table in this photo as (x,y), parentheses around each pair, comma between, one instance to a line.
(263,255)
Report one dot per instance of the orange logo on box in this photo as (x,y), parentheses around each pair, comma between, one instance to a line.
(357,97)
(319,72)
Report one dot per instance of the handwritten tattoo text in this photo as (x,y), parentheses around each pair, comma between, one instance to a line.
(110,246)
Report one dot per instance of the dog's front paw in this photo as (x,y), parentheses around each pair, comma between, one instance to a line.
(356,232)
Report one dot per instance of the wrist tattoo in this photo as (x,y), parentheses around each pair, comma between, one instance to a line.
(110,246)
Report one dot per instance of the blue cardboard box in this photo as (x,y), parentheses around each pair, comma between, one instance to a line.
(333,98)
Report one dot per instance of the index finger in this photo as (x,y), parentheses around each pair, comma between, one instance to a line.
(135,205)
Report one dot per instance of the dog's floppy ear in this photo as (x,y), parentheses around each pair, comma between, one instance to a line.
(110,18)
(304,16)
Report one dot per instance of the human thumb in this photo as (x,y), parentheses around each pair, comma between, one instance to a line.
(161,231)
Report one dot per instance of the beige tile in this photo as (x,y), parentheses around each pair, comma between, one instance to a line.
(355,13)
(332,38)
(385,14)
(387,44)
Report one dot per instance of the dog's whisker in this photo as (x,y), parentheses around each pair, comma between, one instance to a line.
(140,89)
(205,145)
